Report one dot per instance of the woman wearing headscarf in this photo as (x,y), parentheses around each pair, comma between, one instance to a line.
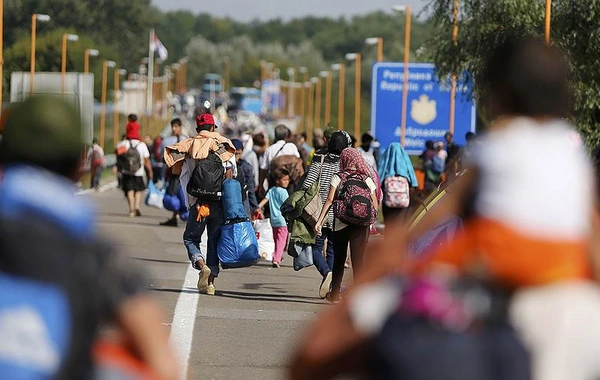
(395,163)
(344,235)
(323,167)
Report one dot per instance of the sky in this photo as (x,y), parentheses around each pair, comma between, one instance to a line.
(248,10)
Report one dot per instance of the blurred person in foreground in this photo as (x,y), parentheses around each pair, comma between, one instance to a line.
(531,228)
(60,282)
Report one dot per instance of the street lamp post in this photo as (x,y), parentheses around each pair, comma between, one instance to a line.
(342,69)
(304,72)
(379,42)
(86,58)
(34,18)
(311,101)
(548,16)
(406,9)
(63,70)
(327,76)
(227,63)
(292,77)
(356,57)
(105,67)
(317,119)
(453,77)
(118,73)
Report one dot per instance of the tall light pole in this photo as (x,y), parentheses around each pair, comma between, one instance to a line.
(406,10)
(311,102)
(379,42)
(548,16)
(356,57)
(184,64)
(318,103)
(1,49)
(304,72)
(86,58)
(175,67)
(342,69)
(34,18)
(63,70)
(118,73)
(105,67)
(453,78)
(327,76)
(227,64)
(292,77)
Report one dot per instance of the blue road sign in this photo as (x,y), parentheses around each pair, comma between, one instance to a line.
(428,106)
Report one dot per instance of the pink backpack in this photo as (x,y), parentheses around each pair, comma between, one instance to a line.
(353,204)
(397,192)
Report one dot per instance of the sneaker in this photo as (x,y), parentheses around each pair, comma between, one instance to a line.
(325,285)
(203,279)
(210,290)
(169,222)
(275,264)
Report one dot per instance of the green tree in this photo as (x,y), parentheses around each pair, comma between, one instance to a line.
(483,24)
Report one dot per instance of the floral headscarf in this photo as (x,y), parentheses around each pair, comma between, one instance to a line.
(352,162)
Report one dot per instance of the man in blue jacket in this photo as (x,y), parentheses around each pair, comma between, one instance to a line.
(246,174)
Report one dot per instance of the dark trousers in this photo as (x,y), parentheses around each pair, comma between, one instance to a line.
(324,264)
(355,236)
(192,236)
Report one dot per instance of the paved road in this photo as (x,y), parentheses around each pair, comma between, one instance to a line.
(247,330)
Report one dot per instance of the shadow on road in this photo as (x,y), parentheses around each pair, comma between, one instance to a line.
(250,296)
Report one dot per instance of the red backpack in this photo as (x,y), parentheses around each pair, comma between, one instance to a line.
(353,204)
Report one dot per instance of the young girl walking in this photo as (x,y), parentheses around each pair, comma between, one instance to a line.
(275,197)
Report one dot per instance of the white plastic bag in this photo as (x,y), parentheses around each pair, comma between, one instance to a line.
(264,235)
(154,198)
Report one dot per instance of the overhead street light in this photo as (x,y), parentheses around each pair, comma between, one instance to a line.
(342,69)
(406,9)
(34,18)
(86,58)
(356,57)
(379,42)
(105,67)
(63,70)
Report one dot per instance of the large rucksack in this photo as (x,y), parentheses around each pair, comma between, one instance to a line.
(129,161)
(206,181)
(294,165)
(397,192)
(353,204)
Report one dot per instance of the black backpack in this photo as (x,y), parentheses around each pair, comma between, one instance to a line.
(206,182)
(130,161)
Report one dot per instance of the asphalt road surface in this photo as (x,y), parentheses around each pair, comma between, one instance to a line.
(247,330)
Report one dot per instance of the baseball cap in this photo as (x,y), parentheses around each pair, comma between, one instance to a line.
(238,144)
(205,119)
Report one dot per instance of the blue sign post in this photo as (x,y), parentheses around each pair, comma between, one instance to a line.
(428,106)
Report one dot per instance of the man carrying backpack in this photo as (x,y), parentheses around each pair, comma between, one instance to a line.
(203,162)
(283,154)
(132,158)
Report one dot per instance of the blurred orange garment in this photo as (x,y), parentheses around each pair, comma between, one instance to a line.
(512,258)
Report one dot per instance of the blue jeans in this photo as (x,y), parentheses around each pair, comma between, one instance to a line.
(323,265)
(96,175)
(192,236)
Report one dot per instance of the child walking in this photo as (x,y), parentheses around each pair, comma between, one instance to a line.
(275,197)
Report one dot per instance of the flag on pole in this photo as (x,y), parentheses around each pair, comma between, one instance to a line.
(157,46)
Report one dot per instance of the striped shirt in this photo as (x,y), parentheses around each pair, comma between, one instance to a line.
(331,166)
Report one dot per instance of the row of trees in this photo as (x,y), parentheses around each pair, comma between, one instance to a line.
(483,24)
(119,29)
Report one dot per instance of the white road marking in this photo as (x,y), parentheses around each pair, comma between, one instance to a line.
(182,330)
(184,317)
